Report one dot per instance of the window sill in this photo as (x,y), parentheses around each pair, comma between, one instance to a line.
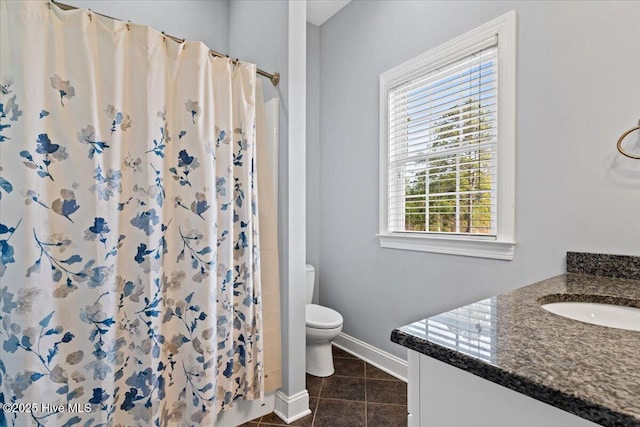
(493,249)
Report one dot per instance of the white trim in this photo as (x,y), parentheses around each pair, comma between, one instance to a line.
(383,220)
(244,411)
(292,408)
(387,362)
(479,248)
(504,27)
(292,218)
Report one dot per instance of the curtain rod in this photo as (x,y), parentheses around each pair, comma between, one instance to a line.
(274,78)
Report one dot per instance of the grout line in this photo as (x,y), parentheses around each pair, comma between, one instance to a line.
(368,378)
(381,379)
(366,418)
(386,404)
(347,376)
(315,412)
(384,379)
(343,400)
(362,401)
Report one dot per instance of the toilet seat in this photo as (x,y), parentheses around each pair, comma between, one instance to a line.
(319,317)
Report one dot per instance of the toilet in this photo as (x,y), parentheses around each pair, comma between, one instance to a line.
(322,326)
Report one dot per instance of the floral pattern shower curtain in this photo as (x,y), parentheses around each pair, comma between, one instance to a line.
(129,276)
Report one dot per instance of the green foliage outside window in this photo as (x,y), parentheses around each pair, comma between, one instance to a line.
(459,184)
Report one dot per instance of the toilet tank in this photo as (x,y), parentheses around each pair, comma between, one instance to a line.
(310,278)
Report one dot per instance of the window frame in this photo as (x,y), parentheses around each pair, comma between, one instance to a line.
(501,246)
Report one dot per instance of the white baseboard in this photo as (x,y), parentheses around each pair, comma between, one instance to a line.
(292,408)
(389,363)
(244,411)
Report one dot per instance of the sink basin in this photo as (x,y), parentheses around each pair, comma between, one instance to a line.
(613,316)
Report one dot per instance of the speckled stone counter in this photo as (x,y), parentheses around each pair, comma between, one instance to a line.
(589,370)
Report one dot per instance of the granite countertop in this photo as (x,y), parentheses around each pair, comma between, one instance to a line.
(589,370)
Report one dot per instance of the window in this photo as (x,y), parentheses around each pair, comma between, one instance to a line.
(447,146)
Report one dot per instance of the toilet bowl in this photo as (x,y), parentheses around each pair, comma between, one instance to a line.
(322,326)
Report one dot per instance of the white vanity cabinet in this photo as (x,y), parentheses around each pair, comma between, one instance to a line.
(441,395)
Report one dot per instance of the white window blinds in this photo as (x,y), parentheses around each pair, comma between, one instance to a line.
(442,147)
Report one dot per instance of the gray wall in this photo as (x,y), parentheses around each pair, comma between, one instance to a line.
(313,150)
(259,33)
(577,91)
(205,21)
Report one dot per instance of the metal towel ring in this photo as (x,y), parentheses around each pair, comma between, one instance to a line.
(623,136)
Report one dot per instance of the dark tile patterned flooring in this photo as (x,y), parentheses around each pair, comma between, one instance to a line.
(356,395)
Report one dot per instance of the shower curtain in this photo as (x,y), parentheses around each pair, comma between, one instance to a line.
(130,275)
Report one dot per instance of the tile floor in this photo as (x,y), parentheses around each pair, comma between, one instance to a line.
(356,395)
